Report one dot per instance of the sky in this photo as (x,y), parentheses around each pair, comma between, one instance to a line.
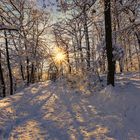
(51,6)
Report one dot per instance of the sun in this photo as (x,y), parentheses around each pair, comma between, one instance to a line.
(59,55)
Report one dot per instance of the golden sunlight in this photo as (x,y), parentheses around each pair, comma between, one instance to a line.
(59,55)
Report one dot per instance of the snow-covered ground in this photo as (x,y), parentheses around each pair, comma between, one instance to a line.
(57,111)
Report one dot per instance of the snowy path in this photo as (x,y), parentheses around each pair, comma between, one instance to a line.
(48,111)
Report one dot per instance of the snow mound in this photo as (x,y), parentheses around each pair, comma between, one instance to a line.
(53,111)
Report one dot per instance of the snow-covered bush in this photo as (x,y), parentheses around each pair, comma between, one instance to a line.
(85,83)
(118,51)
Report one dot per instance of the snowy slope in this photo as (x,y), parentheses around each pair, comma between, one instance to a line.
(54,111)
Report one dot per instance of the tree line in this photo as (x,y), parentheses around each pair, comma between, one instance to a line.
(99,36)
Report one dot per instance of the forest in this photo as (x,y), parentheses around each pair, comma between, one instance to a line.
(76,62)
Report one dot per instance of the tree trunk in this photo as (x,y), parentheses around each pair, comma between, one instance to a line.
(32,75)
(130,55)
(75,56)
(138,56)
(68,59)
(79,46)
(8,64)
(138,38)
(2,83)
(41,71)
(108,38)
(19,57)
(86,37)
(21,70)
(120,66)
(27,59)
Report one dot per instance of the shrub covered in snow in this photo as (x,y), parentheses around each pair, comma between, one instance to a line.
(118,51)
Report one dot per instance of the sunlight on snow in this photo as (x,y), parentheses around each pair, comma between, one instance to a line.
(99,133)
(58,112)
(8,101)
(28,131)
(4,104)
(54,112)
(34,90)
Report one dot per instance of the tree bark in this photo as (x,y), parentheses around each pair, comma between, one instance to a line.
(68,59)
(108,39)
(8,64)
(2,83)
(86,37)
